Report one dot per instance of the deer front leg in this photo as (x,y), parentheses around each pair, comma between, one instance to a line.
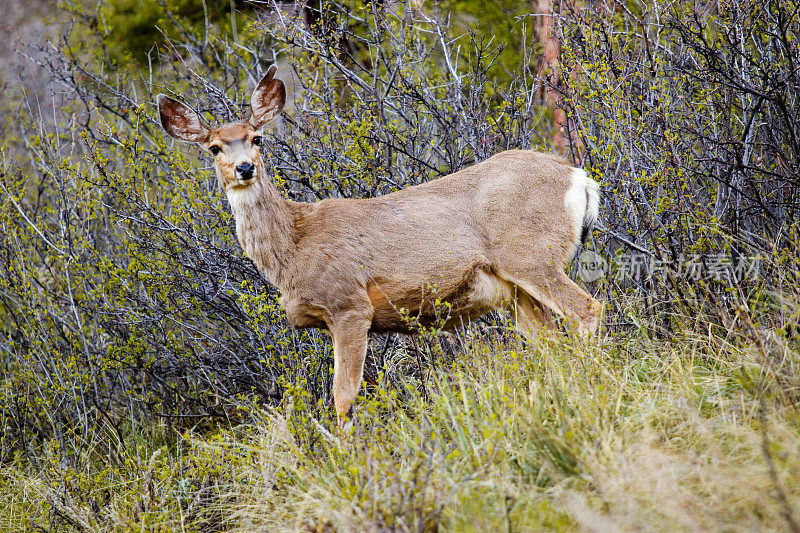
(349,351)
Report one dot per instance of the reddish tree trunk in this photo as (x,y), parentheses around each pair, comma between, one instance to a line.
(550,67)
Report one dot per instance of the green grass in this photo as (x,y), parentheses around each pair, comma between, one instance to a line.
(626,433)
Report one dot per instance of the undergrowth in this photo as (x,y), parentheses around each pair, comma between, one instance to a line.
(149,379)
(694,432)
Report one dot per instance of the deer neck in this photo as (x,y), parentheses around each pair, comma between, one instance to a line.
(264,227)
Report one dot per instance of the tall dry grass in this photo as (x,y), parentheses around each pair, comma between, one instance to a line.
(627,433)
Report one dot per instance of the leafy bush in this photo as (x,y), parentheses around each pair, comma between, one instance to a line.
(125,300)
(130,29)
(688,114)
(136,337)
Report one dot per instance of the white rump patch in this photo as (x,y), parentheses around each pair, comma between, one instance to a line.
(575,200)
(592,201)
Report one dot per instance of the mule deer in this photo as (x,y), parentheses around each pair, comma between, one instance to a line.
(499,233)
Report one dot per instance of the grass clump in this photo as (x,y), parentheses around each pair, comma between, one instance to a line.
(627,433)
(560,436)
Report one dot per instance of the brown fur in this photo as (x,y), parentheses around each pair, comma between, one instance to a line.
(497,233)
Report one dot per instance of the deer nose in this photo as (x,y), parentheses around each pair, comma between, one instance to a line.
(245,170)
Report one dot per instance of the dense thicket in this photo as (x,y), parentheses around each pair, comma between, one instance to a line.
(688,113)
(124,295)
(124,299)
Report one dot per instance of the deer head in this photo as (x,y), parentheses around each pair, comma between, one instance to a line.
(234,146)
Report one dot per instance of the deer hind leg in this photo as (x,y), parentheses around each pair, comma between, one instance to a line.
(350,335)
(530,316)
(555,290)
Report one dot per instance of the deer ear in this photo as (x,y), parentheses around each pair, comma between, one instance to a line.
(180,121)
(268,99)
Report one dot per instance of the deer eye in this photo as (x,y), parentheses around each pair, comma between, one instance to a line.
(257,140)
(214,149)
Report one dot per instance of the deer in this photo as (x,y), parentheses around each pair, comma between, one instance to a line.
(498,234)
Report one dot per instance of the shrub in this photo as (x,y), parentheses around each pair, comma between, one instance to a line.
(687,113)
(134,330)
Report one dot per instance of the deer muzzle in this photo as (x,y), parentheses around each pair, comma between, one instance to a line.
(246,170)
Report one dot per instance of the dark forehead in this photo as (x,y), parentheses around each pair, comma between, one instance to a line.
(235,131)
